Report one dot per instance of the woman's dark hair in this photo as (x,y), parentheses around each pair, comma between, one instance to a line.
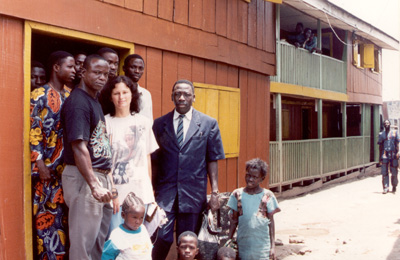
(105,95)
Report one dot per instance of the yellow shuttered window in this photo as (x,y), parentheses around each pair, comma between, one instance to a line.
(223,104)
(367,56)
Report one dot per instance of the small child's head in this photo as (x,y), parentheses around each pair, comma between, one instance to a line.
(187,245)
(226,253)
(256,170)
(132,211)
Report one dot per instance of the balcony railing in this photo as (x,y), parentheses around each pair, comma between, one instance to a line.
(301,160)
(300,67)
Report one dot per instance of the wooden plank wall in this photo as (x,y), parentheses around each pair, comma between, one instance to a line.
(362,81)
(163,68)
(11,139)
(236,20)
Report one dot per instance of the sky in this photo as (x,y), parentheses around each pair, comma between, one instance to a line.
(383,14)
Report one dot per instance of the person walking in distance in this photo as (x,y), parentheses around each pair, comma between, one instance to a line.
(389,155)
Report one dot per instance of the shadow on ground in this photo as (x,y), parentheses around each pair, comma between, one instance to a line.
(286,250)
(395,253)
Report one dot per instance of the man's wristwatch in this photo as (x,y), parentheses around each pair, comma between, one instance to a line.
(215,193)
(114,193)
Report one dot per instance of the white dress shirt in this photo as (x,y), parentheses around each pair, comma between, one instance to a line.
(186,121)
(146,104)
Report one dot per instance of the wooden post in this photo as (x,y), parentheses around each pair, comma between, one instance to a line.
(377,124)
(278,110)
(344,132)
(363,122)
(319,33)
(278,42)
(320,132)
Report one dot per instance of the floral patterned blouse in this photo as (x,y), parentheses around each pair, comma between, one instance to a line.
(46,136)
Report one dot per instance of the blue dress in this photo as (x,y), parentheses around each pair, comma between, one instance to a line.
(253,228)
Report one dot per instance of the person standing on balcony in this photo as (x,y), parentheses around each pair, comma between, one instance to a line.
(297,38)
(389,156)
(310,42)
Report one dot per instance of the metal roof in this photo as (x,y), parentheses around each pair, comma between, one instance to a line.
(308,11)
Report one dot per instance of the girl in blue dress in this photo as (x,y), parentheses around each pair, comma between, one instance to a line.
(252,213)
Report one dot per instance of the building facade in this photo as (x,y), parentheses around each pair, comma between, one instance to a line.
(310,115)
(226,47)
(325,105)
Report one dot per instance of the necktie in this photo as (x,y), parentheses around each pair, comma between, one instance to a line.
(179,130)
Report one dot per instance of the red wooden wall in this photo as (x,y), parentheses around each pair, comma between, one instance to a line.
(11,140)
(234,19)
(363,86)
(230,31)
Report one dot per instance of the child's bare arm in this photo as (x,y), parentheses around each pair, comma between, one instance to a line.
(233,223)
(272,235)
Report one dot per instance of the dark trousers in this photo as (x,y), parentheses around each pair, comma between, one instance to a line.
(165,235)
(393,164)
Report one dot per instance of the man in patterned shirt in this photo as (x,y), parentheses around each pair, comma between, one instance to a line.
(46,143)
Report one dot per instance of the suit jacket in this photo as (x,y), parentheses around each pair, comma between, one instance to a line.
(182,171)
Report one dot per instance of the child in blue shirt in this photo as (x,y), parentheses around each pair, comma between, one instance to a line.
(252,213)
(130,240)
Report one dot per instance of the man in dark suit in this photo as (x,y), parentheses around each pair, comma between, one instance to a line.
(190,146)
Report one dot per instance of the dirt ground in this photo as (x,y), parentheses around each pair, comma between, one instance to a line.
(351,220)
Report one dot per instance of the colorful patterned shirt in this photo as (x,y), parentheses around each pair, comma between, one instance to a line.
(46,134)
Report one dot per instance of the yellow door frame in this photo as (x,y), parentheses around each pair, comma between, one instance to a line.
(32,27)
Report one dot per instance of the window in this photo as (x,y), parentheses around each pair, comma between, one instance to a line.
(223,104)
(356,54)
(378,62)
(327,44)
(365,56)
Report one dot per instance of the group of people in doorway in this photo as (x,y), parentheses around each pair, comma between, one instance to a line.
(111,183)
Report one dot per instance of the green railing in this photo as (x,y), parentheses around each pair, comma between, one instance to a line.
(334,154)
(302,159)
(333,74)
(300,67)
(355,151)
(274,163)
